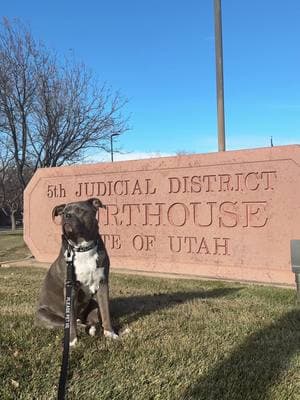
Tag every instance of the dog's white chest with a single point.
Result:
(87, 272)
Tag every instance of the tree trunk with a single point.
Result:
(13, 221)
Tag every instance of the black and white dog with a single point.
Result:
(91, 263)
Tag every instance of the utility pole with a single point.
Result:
(111, 146)
(219, 75)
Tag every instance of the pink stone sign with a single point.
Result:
(228, 215)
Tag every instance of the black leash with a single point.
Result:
(70, 282)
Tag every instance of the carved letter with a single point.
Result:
(208, 216)
(268, 174)
(150, 240)
(116, 242)
(156, 213)
(99, 192)
(188, 240)
(255, 214)
(78, 192)
(228, 209)
(112, 213)
(238, 183)
(148, 181)
(203, 246)
(180, 218)
(196, 184)
(137, 188)
(92, 189)
(256, 186)
(131, 208)
(209, 179)
(62, 191)
(178, 249)
(173, 182)
(138, 242)
(120, 192)
(225, 183)
(224, 246)
(50, 191)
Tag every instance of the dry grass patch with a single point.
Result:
(12, 246)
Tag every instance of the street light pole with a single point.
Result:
(219, 75)
(111, 146)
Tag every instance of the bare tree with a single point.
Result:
(50, 113)
(71, 115)
(11, 192)
(17, 88)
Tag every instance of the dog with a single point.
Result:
(80, 236)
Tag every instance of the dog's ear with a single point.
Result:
(58, 210)
(96, 203)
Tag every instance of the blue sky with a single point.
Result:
(160, 55)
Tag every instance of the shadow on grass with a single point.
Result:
(254, 367)
(135, 307)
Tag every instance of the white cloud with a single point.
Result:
(105, 157)
(140, 155)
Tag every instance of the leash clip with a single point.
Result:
(69, 254)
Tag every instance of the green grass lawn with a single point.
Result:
(188, 340)
(12, 246)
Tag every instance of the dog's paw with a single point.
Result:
(110, 334)
(92, 330)
(73, 342)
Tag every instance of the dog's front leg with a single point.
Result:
(103, 300)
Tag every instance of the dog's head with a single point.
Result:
(79, 219)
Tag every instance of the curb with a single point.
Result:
(31, 262)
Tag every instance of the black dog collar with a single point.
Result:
(80, 248)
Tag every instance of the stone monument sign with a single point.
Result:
(228, 215)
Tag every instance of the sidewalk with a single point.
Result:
(25, 262)
(31, 262)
